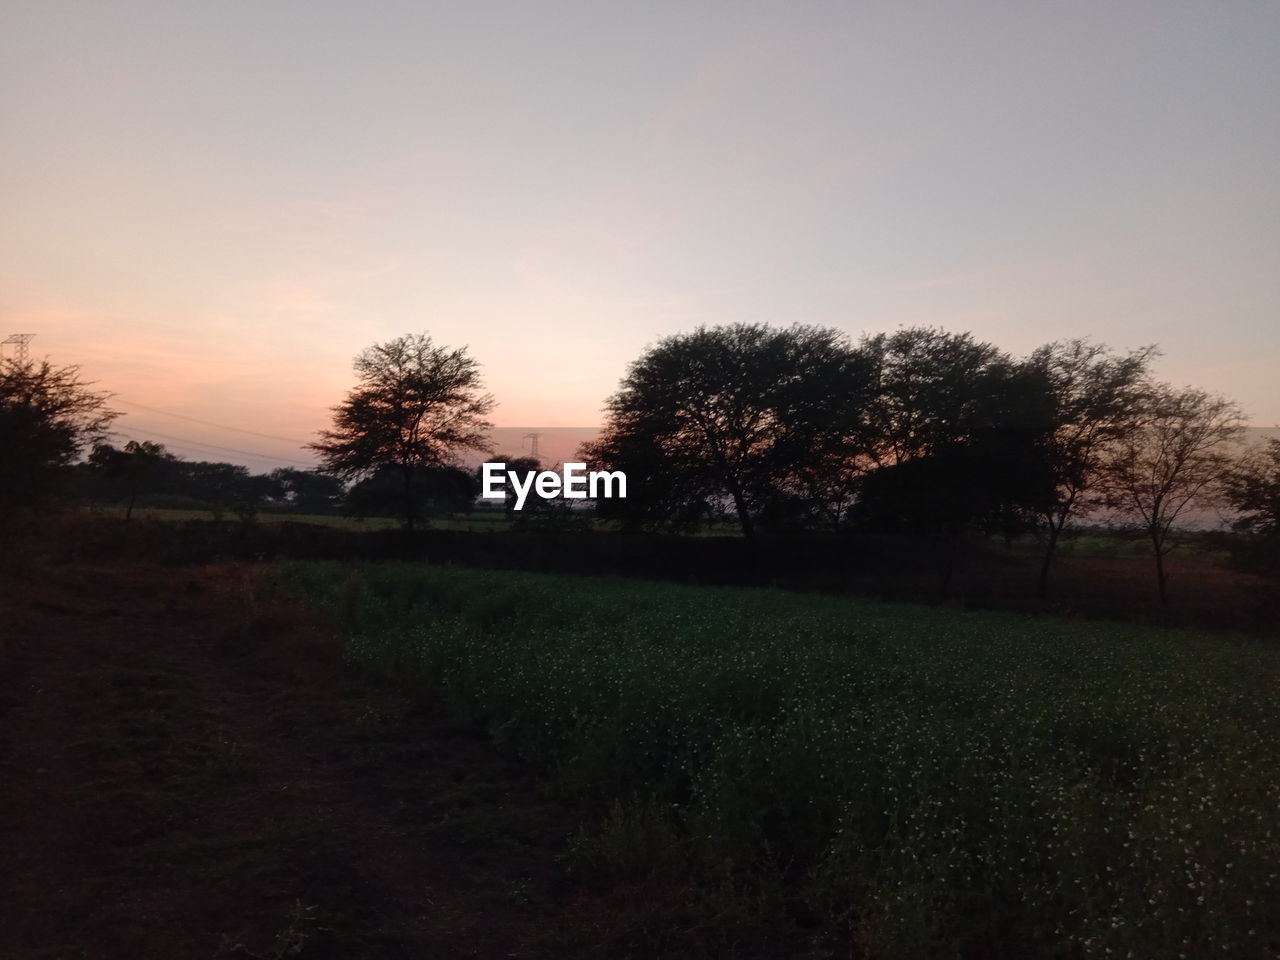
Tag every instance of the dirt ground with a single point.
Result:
(185, 772)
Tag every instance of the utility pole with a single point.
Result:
(19, 341)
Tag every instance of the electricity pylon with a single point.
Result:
(533, 444)
(19, 341)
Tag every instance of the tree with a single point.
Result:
(1099, 399)
(131, 467)
(1178, 457)
(931, 387)
(984, 473)
(307, 491)
(223, 486)
(521, 467)
(974, 418)
(250, 493)
(415, 406)
(729, 415)
(435, 490)
(48, 418)
(1253, 491)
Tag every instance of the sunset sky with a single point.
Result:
(213, 206)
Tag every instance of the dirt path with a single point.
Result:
(184, 774)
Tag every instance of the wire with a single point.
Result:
(208, 423)
(214, 446)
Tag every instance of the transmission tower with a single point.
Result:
(533, 444)
(19, 341)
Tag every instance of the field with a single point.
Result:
(190, 770)
(481, 521)
(914, 782)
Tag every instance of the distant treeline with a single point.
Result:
(147, 475)
(921, 433)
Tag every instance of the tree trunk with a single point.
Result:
(1161, 576)
(1159, 534)
(950, 538)
(1047, 560)
(409, 512)
(744, 518)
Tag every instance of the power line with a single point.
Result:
(20, 341)
(208, 423)
(214, 446)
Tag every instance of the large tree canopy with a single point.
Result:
(731, 415)
(1100, 398)
(970, 451)
(416, 406)
(931, 388)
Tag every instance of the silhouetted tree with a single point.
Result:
(729, 413)
(222, 486)
(1253, 491)
(307, 491)
(930, 388)
(415, 406)
(1178, 457)
(1100, 398)
(48, 418)
(988, 477)
(132, 467)
(434, 490)
(251, 493)
(521, 467)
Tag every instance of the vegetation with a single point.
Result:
(735, 413)
(934, 784)
(130, 467)
(919, 432)
(147, 475)
(896, 781)
(1099, 398)
(416, 405)
(1179, 455)
(433, 490)
(931, 437)
(1253, 490)
(49, 418)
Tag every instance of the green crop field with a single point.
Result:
(928, 781)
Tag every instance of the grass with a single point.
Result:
(482, 521)
(1187, 545)
(931, 783)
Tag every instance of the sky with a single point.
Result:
(212, 207)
